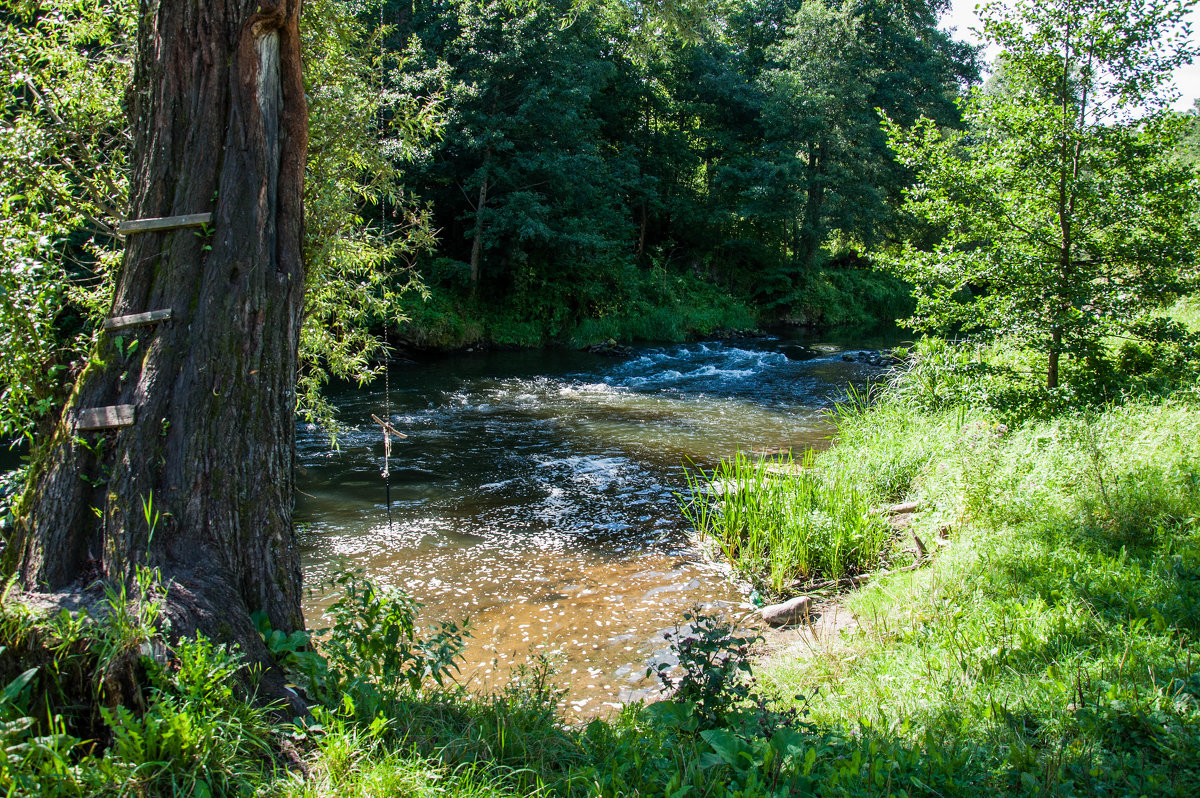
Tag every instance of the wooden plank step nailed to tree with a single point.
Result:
(163, 223)
(136, 319)
(109, 417)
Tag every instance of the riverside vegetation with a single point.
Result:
(1049, 648)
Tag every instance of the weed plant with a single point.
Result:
(104, 711)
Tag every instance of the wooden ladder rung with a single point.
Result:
(163, 223)
(136, 319)
(105, 417)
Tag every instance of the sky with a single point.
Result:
(1187, 80)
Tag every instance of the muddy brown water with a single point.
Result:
(537, 494)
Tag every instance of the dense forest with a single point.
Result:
(595, 179)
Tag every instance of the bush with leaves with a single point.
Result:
(372, 655)
(64, 142)
(713, 675)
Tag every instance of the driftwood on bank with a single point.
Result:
(787, 613)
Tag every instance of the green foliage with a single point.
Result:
(1064, 216)
(64, 66)
(713, 674)
(28, 760)
(1188, 150)
(12, 483)
(781, 523)
(1161, 357)
(837, 64)
(107, 709)
(1056, 636)
(646, 307)
(519, 732)
(587, 179)
(363, 123)
(355, 762)
(835, 297)
(195, 737)
(374, 653)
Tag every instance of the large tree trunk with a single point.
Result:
(1052, 359)
(220, 125)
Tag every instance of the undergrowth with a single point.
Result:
(648, 307)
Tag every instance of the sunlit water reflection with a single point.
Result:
(537, 493)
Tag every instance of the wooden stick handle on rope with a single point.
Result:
(387, 426)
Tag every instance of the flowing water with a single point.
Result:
(538, 494)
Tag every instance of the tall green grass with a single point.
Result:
(1059, 635)
(780, 523)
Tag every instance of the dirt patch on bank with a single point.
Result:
(827, 622)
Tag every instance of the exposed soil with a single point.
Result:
(827, 622)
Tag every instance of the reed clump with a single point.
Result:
(782, 523)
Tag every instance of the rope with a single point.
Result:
(387, 435)
(387, 386)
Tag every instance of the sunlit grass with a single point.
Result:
(1060, 628)
(352, 763)
(779, 522)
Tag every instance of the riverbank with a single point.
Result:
(660, 307)
(1052, 641)
(1047, 646)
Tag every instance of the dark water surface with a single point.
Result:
(537, 493)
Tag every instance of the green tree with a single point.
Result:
(1189, 146)
(1064, 215)
(839, 62)
(529, 194)
(362, 229)
(64, 142)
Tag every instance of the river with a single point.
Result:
(537, 494)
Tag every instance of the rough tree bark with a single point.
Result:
(220, 125)
(810, 231)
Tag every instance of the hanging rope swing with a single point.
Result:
(388, 432)
(385, 423)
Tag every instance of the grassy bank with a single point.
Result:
(1054, 640)
(1049, 645)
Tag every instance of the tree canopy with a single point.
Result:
(1064, 216)
(584, 170)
